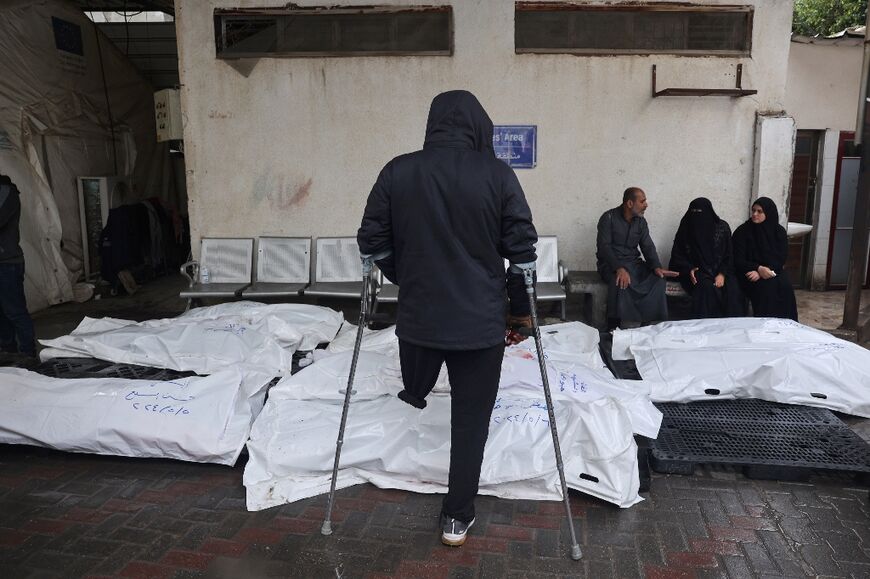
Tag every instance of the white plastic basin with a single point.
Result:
(797, 229)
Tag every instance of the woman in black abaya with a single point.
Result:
(760, 250)
(702, 254)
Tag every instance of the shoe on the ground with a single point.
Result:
(454, 531)
(128, 281)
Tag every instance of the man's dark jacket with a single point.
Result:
(10, 212)
(450, 213)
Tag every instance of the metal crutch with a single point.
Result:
(528, 270)
(367, 261)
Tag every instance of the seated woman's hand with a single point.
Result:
(765, 272)
(692, 276)
(719, 281)
(752, 276)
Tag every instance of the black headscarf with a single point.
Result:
(457, 119)
(697, 232)
(766, 235)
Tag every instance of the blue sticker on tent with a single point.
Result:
(516, 145)
(67, 36)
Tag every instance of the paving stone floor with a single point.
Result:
(70, 515)
(77, 515)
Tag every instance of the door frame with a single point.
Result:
(841, 149)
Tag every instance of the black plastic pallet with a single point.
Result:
(93, 368)
(71, 367)
(750, 410)
(622, 369)
(767, 439)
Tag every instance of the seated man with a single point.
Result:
(635, 286)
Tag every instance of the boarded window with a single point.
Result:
(334, 32)
(636, 29)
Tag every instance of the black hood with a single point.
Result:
(458, 120)
(771, 214)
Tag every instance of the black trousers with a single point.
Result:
(474, 377)
(16, 327)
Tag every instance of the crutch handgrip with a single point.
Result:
(368, 259)
(528, 271)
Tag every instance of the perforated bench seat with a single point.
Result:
(283, 267)
(213, 290)
(263, 289)
(337, 289)
(229, 262)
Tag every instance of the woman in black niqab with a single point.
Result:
(702, 254)
(760, 251)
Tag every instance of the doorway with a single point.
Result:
(801, 203)
(843, 214)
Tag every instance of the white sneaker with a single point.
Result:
(453, 531)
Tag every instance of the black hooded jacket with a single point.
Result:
(451, 213)
(10, 212)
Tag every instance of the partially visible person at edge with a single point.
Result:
(760, 251)
(703, 257)
(16, 327)
(635, 286)
(451, 213)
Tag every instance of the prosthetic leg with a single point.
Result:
(528, 275)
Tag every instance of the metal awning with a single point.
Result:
(167, 6)
(150, 46)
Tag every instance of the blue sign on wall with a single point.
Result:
(516, 145)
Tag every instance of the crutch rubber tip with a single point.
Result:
(326, 528)
(575, 552)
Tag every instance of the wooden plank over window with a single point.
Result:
(334, 31)
(679, 28)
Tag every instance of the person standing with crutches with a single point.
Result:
(451, 213)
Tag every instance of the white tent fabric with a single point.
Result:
(198, 419)
(205, 340)
(391, 444)
(54, 126)
(767, 358)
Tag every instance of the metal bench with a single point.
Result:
(229, 264)
(337, 269)
(551, 273)
(283, 267)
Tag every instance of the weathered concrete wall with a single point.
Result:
(774, 160)
(292, 146)
(823, 84)
(821, 235)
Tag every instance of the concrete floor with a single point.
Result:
(824, 310)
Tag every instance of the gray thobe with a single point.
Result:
(620, 244)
